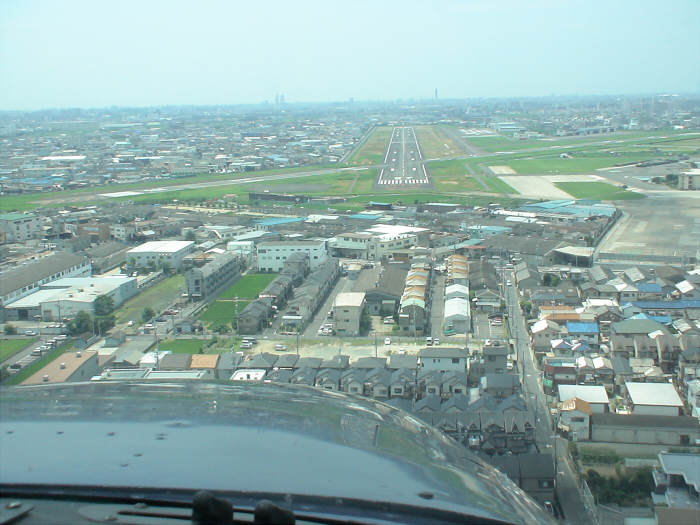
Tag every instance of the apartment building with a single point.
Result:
(202, 282)
(18, 227)
(347, 312)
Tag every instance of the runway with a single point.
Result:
(403, 160)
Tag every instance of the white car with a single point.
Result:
(387, 341)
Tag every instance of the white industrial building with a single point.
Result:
(377, 242)
(171, 252)
(654, 399)
(271, 255)
(457, 315)
(64, 298)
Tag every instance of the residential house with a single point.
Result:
(676, 488)
(575, 419)
(443, 359)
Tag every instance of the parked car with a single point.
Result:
(387, 341)
(436, 341)
(280, 348)
(30, 333)
(246, 344)
(389, 320)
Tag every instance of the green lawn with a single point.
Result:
(11, 346)
(597, 190)
(182, 346)
(222, 312)
(159, 297)
(248, 286)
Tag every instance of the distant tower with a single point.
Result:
(281, 99)
(435, 93)
(277, 100)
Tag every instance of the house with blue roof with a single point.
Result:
(589, 332)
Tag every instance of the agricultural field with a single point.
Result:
(374, 148)
(248, 286)
(597, 191)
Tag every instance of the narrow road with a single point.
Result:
(567, 483)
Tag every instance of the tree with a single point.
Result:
(10, 329)
(190, 236)
(104, 305)
(550, 279)
(81, 324)
(165, 266)
(365, 321)
(147, 314)
(151, 266)
(105, 323)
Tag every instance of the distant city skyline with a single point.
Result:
(144, 53)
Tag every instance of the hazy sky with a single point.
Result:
(97, 53)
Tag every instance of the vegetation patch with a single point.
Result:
(182, 346)
(158, 297)
(498, 186)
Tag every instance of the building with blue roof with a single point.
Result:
(589, 332)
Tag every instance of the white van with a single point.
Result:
(429, 341)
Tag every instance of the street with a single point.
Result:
(567, 483)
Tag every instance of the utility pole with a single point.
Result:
(297, 340)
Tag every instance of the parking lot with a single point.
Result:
(484, 329)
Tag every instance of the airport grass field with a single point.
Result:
(597, 191)
(450, 177)
(374, 148)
